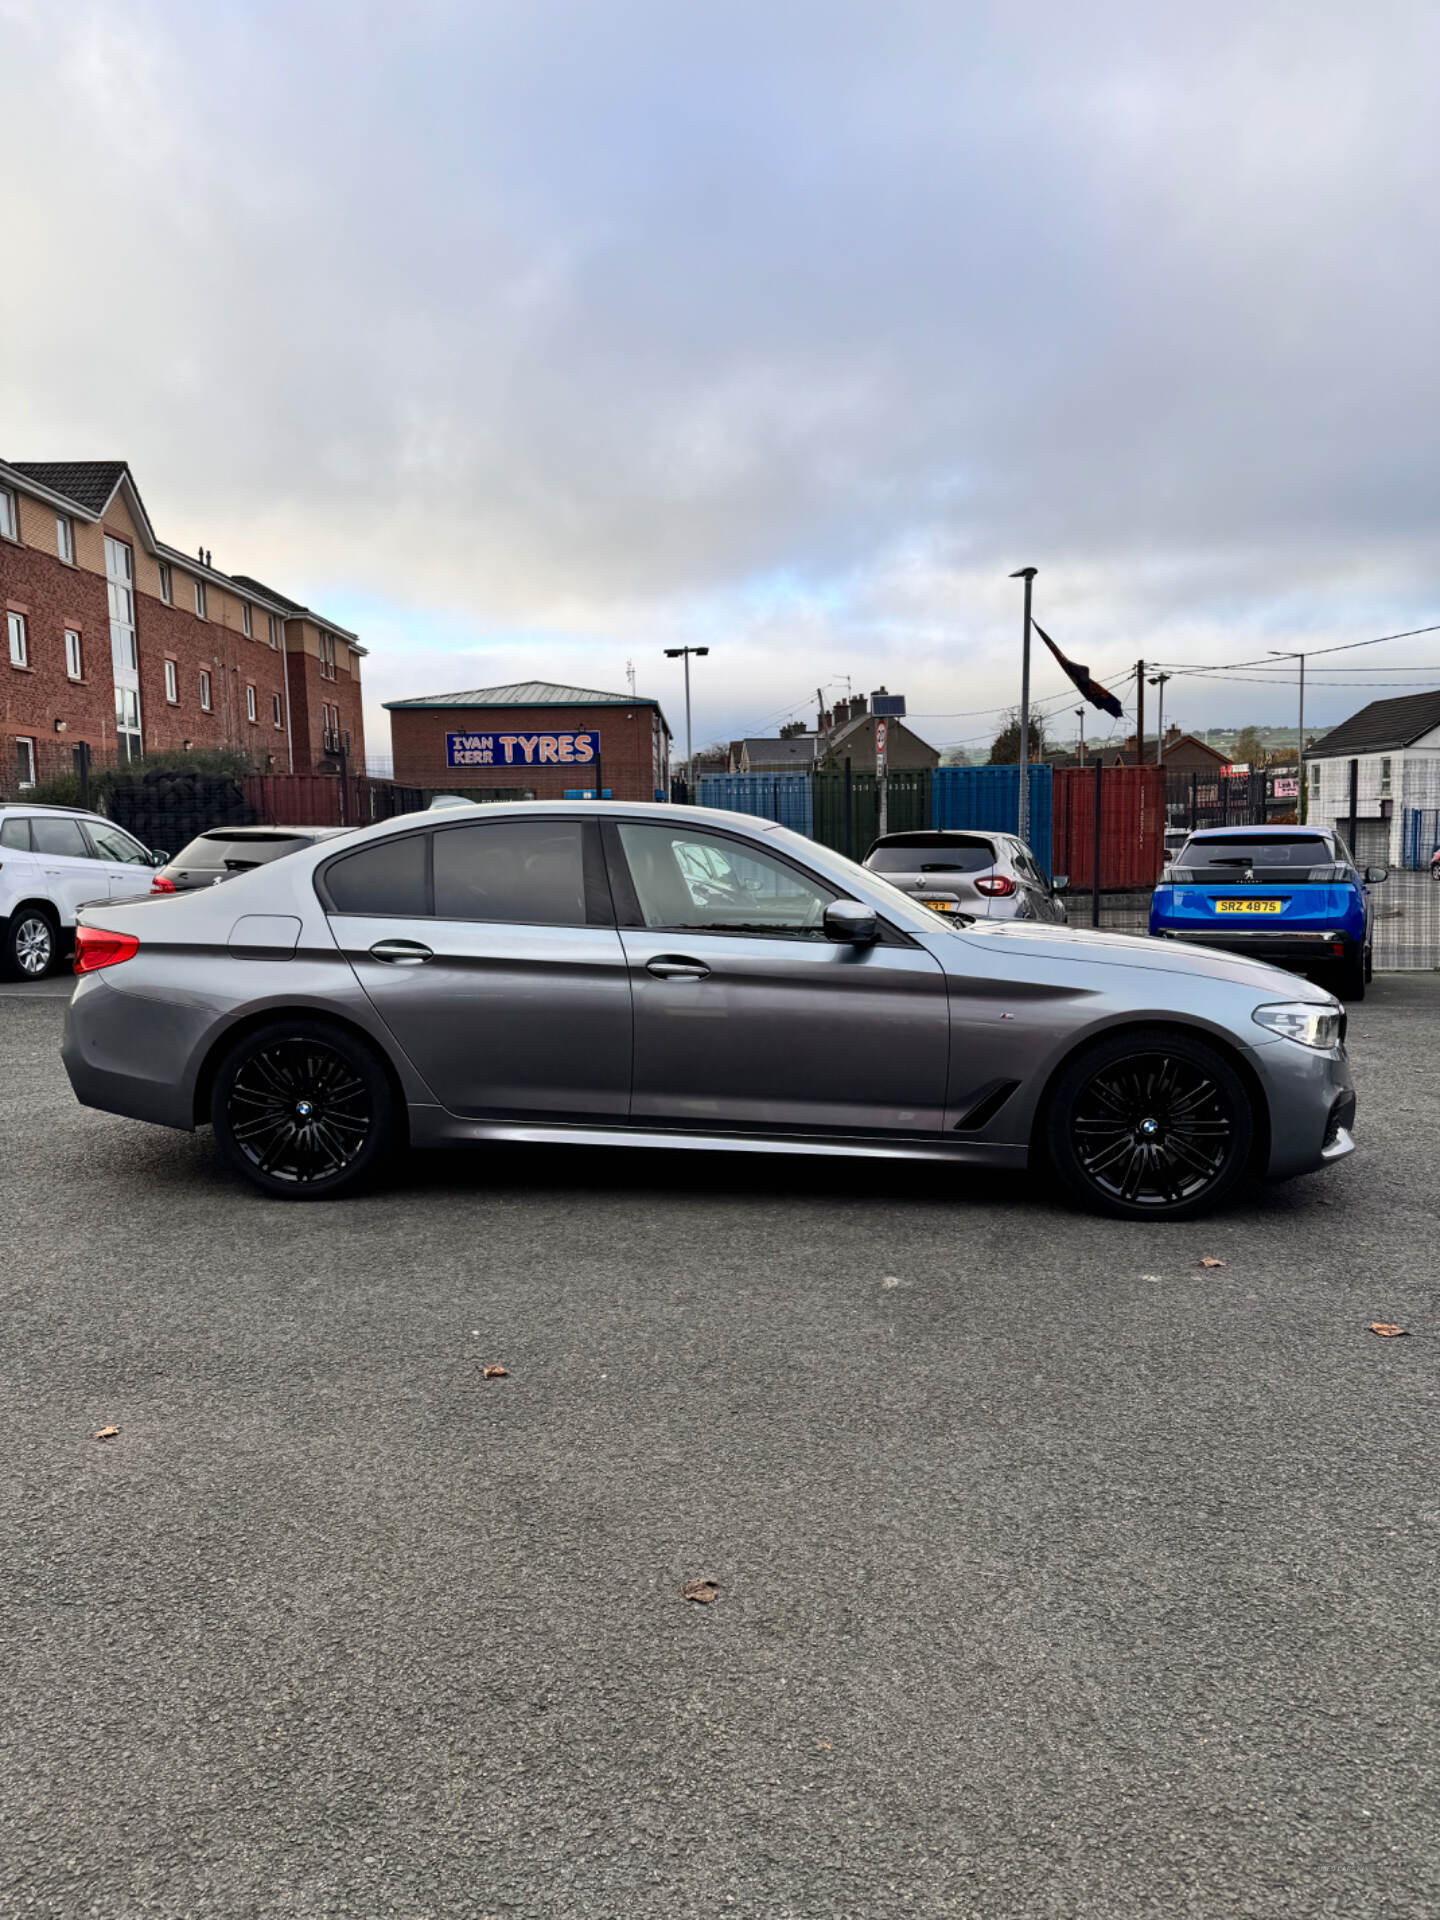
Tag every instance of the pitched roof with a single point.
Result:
(259, 586)
(798, 750)
(525, 693)
(1383, 725)
(89, 483)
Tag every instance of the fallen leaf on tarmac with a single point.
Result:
(890, 1280)
(826, 1745)
(702, 1592)
(109, 1433)
(1209, 1260)
(494, 1373)
(1153, 1278)
(1387, 1331)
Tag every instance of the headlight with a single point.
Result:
(1297, 1020)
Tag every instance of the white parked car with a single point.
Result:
(53, 861)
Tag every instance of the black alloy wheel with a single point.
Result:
(1150, 1126)
(31, 944)
(302, 1110)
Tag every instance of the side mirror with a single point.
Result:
(159, 858)
(1061, 883)
(849, 923)
(1374, 875)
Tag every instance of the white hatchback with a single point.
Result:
(53, 861)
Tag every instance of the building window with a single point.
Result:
(274, 629)
(172, 684)
(250, 704)
(24, 763)
(276, 710)
(74, 660)
(1384, 776)
(165, 590)
(65, 539)
(127, 723)
(204, 690)
(247, 626)
(327, 656)
(19, 640)
(9, 526)
(200, 598)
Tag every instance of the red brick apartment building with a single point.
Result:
(115, 639)
(534, 740)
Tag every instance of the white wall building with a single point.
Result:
(1395, 745)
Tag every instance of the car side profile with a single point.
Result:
(1291, 895)
(994, 876)
(53, 862)
(667, 976)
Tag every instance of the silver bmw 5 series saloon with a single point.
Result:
(672, 976)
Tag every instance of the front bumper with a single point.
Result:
(1311, 1102)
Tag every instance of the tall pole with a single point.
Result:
(1300, 798)
(1158, 680)
(1022, 825)
(1139, 713)
(684, 653)
(1080, 716)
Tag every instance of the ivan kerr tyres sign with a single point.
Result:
(521, 749)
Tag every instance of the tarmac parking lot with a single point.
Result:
(1058, 1574)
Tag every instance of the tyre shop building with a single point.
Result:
(532, 741)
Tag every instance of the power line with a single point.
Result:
(1311, 653)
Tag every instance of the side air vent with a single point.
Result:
(987, 1102)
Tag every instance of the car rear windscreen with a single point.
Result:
(1299, 850)
(933, 856)
(213, 852)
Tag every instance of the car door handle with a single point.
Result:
(401, 953)
(677, 969)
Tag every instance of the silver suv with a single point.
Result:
(991, 875)
(53, 862)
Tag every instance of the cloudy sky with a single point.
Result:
(527, 338)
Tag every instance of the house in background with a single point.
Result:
(1394, 746)
(1183, 751)
(844, 732)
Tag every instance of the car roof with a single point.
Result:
(1257, 833)
(929, 836)
(46, 806)
(260, 831)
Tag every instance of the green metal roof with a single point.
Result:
(527, 693)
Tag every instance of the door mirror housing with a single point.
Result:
(159, 858)
(1375, 875)
(851, 923)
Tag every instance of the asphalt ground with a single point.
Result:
(1059, 1575)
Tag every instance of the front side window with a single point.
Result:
(64, 539)
(384, 881)
(24, 763)
(19, 640)
(705, 883)
(9, 525)
(204, 690)
(525, 872)
(74, 659)
(250, 704)
(60, 837)
(114, 843)
(172, 684)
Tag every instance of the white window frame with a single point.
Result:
(65, 539)
(201, 601)
(251, 711)
(1385, 776)
(74, 655)
(327, 655)
(274, 629)
(247, 624)
(277, 710)
(29, 746)
(205, 690)
(18, 634)
(9, 520)
(167, 593)
(172, 683)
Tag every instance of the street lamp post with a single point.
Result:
(1157, 680)
(1080, 716)
(677, 653)
(1022, 827)
(1300, 797)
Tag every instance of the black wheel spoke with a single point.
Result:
(1154, 1131)
(298, 1111)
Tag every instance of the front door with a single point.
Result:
(747, 1017)
(128, 870)
(485, 950)
(70, 873)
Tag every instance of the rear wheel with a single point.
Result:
(1350, 976)
(303, 1110)
(1150, 1126)
(31, 947)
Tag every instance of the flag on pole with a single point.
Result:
(1097, 695)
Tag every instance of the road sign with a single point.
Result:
(881, 735)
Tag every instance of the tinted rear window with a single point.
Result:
(1284, 850)
(387, 879)
(15, 833)
(935, 856)
(62, 837)
(529, 873)
(212, 850)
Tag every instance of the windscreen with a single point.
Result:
(215, 851)
(1298, 856)
(932, 856)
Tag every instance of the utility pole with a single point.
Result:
(678, 653)
(1139, 713)
(630, 676)
(1080, 716)
(1158, 680)
(1301, 796)
(1022, 825)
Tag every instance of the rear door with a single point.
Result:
(490, 951)
(747, 1017)
(70, 871)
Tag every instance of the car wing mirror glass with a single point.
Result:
(1376, 875)
(159, 858)
(1061, 883)
(851, 923)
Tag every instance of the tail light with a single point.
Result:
(97, 947)
(999, 886)
(161, 885)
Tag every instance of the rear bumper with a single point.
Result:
(1263, 944)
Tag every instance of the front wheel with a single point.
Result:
(31, 944)
(303, 1110)
(1150, 1126)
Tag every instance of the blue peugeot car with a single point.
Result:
(1291, 895)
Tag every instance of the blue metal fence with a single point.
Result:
(989, 797)
(783, 797)
(1419, 836)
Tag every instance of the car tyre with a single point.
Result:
(1350, 976)
(303, 1110)
(31, 944)
(1150, 1125)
